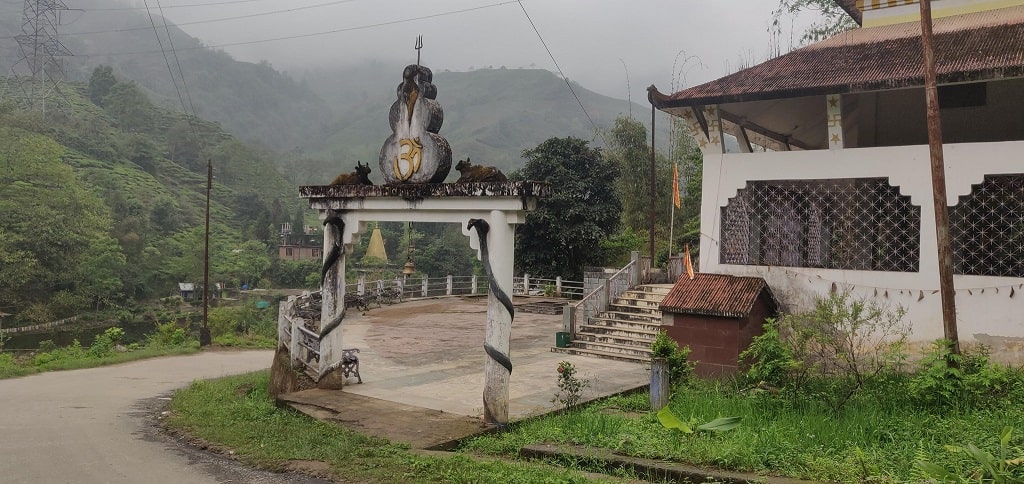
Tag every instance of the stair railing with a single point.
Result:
(601, 297)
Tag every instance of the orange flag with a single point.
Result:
(688, 263)
(675, 186)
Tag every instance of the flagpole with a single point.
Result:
(672, 221)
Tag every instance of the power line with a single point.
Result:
(219, 19)
(315, 34)
(166, 61)
(183, 5)
(181, 73)
(566, 79)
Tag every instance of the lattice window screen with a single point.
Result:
(862, 224)
(987, 228)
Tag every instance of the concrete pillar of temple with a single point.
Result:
(498, 333)
(332, 307)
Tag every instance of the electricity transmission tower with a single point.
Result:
(38, 73)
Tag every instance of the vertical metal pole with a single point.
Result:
(204, 333)
(651, 212)
(938, 181)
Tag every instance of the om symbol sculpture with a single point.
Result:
(415, 153)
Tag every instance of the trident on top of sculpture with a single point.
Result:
(415, 153)
(418, 46)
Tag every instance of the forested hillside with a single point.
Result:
(254, 102)
(101, 203)
(335, 115)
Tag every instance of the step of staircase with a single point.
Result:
(628, 314)
(626, 330)
(607, 321)
(631, 340)
(631, 301)
(637, 332)
(602, 354)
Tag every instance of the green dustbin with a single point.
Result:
(562, 339)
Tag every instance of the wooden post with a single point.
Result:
(474, 291)
(448, 286)
(660, 384)
(948, 295)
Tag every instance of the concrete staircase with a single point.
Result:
(626, 330)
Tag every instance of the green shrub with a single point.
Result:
(570, 388)
(968, 380)
(104, 343)
(166, 335)
(7, 363)
(46, 345)
(74, 351)
(843, 346)
(680, 368)
(245, 319)
(769, 359)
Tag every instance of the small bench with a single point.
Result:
(350, 363)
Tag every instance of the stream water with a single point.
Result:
(133, 332)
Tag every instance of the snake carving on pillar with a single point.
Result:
(415, 153)
(491, 415)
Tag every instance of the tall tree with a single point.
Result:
(130, 107)
(100, 82)
(563, 235)
(630, 151)
(831, 19)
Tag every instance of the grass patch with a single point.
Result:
(10, 368)
(237, 413)
(168, 339)
(871, 438)
(247, 341)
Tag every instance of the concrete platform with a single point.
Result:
(423, 363)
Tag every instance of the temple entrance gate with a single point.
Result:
(486, 212)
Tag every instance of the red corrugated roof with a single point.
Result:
(969, 47)
(715, 295)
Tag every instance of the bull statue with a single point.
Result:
(477, 173)
(361, 176)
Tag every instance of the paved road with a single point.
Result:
(94, 426)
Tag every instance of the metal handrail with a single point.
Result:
(597, 301)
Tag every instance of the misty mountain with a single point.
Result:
(254, 102)
(335, 115)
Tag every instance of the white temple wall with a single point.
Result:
(986, 314)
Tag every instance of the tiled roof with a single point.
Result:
(715, 295)
(970, 47)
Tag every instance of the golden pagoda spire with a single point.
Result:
(376, 247)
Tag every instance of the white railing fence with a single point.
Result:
(424, 286)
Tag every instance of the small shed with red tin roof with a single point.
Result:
(717, 316)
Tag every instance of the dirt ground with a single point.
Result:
(422, 368)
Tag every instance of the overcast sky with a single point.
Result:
(594, 42)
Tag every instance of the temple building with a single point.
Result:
(830, 186)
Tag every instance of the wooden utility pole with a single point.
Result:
(946, 289)
(653, 191)
(204, 333)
